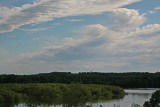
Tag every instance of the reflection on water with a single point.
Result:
(127, 101)
(141, 90)
(137, 96)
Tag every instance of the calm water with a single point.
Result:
(137, 96)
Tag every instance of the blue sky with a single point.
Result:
(79, 36)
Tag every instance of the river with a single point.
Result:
(134, 96)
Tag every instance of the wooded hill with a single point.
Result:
(125, 80)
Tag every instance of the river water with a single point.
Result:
(134, 96)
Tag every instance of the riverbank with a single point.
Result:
(53, 93)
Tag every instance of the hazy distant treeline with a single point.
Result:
(125, 80)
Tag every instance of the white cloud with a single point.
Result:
(107, 50)
(46, 10)
(23, 56)
(34, 30)
(157, 8)
(76, 20)
(151, 12)
(95, 30)
(71, 49)
(126, 19)
(152, 28)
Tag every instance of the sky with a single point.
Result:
(79, 36)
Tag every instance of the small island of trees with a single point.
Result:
(54, 93)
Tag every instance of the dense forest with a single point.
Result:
(125, 80)
(69, 95)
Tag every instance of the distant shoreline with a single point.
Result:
(124, 80)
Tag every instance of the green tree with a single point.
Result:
(154, 100)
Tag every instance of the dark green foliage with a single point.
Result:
(9, 98)
(154, 100)
(50, 93)
(125, 80)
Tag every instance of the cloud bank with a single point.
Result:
(47, 10)
(102, 49)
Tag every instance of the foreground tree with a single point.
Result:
(154, 100)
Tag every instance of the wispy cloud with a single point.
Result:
(34, 30)
(105, 50)
(157, 8)
(56, 24)
(47, 10)
(35, 38)
(24, 56)
(151, 12)
(76, 20)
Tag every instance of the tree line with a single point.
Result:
(125, 80)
